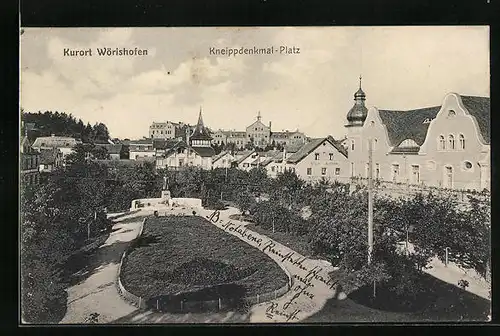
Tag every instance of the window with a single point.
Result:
(331, 156)
(442, 144)
(375, 141)
(352, 144)
(451, 113)
(415, 174)
(161, 132)
(395, 172)
(272, 168)
(316, 156)
(467, 165)
(323, 171)
(377, 171)
(337, 171)
(462, 141)
(309, 171)
(451, 141)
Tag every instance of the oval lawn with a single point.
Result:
(183, 254)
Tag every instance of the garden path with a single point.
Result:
(311, 285)
(98, 293)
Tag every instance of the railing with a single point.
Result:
(176, 303)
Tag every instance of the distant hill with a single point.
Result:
(62, 124)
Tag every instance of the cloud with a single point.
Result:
(402, 67)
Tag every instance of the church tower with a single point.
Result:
(355, 120)
(200, 136)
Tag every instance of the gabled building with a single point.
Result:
(259, 133)
(141, 149)
(28, 162)
(444, 146)
(246, 159)
(115, 151)
(224, 160)
(64, 144)
(177, 153)
(322, 158)
(50, 160)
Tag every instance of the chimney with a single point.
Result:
(269, 125)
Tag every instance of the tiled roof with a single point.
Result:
(280, 135)
(479, 108)
(147, 141)
(166, 143)
(112, 149)
(220, 156)
(266, 161)
(200, 132)
(55, 141)
(204, 151)
(311, 146)
(48, 156)
(245, 155)
(293, 148)
(405, 150)
(402, 125)
(235, 134)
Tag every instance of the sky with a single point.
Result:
(401, 67)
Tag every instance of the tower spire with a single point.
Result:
(200, 119)
(258, 116)
(360, 81)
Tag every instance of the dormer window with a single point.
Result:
(408, 143)
(427, 121)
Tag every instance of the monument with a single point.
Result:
(165, 193)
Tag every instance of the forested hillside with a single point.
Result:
(62, 124)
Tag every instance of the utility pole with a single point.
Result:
(370, 203)
(370, 209)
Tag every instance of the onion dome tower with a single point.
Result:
(357, 114)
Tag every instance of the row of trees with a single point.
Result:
(337, 227)
(62, 124)
(59, 215)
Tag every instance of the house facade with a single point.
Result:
(444, 146)
(28, 162)
(162, 130)
(63, 144)
(322, 158)
(140, 149)
(223, 160)
(50, 160)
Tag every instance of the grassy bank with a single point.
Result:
(179, 254)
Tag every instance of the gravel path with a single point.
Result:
(97, 293)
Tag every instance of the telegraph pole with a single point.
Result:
(370, 203)
(370, 209)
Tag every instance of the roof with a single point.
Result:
(293, 148)
(402, 125)
(266, 161)
(200, 132)
(235, 134)
(147, 141)
(479, 108)
(112, 149)
(280, 134)
(48, 156)
(55, 142)
(220, 156)
(204, 151)
(245, 155)
(312, 145)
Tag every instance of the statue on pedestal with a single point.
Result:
(165, 183)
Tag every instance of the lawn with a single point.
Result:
(188, 254)
(438, 302)
(298, 243)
